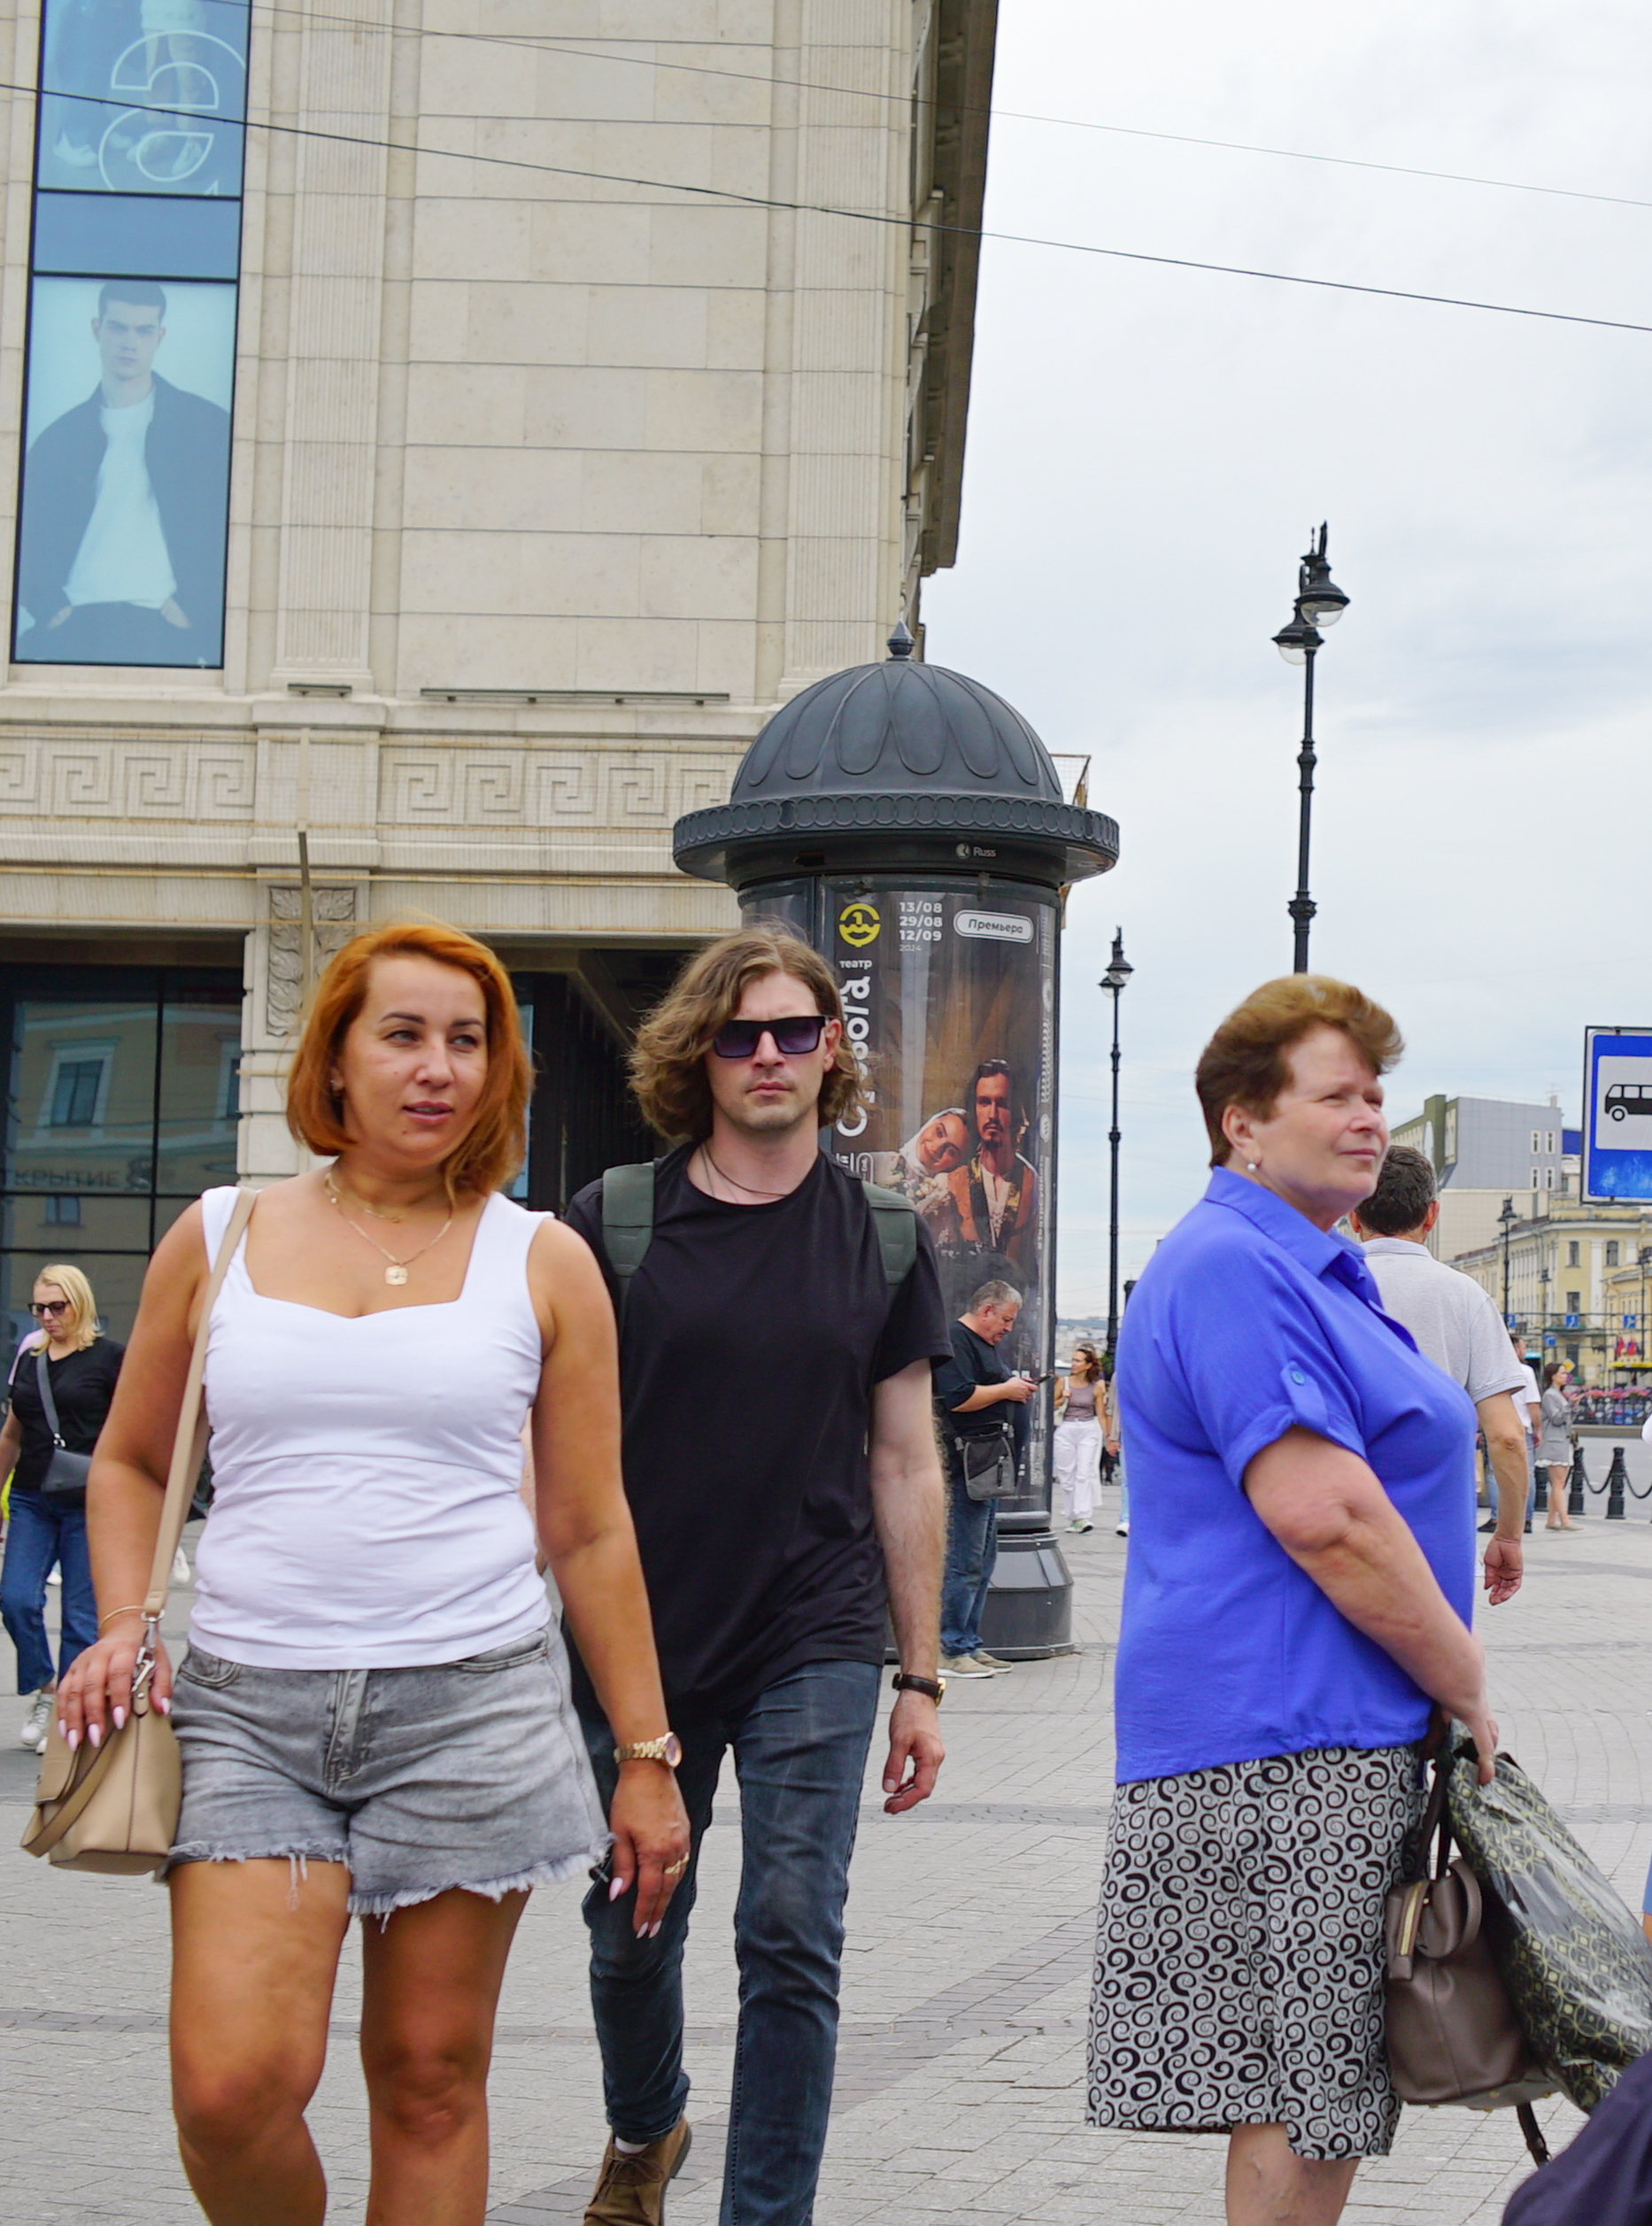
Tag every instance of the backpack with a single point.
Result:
(628, 1226)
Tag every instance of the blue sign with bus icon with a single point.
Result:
(1617, 1114)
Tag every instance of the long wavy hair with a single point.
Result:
(491, 1149)
(668, 1057)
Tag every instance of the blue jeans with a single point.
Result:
(971, 1558)
(36, 1536)
(799, 1754)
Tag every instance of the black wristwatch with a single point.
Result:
(904, 1681)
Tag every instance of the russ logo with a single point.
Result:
(859, 924)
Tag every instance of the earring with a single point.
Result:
(1252, 1165)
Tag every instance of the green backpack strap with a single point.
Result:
(897, 1225)
(627, 1225)
(628, 1221)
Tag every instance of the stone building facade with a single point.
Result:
(600, 373)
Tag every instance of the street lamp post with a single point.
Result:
(1506, 1221)
(1119, 971)
(1320, 602)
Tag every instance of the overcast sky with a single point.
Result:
(1149, 448)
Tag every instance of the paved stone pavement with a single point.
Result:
(960, 2095)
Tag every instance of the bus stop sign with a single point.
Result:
(1616, 1114)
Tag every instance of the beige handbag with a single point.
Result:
(1453, 2033)
(115, 1807)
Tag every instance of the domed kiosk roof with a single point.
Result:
(896, 763)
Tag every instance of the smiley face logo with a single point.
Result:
(859, 924)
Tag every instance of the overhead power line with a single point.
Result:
(726, 196)
(549, 44)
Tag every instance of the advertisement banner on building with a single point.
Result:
(1616, 1114)
(126, 477)
(950, 1001)
(144, 96)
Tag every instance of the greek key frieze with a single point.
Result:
(179, 781)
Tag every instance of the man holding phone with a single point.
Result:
(976, 1396)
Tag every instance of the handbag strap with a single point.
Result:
(188, 1447)
(1435, 1820)
(42, 1379)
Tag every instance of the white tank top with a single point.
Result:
(366, 1473)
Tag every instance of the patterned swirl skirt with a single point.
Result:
(1238, 1972)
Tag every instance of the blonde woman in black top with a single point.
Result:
(81, 1369)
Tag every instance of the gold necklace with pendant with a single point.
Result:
(395, 1274)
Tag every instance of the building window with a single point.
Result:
(1548, 1179)
(116, 1086)
(1611, 1252)
(1574, 1257)
(75, 1088)
(1537, 1140)
(1549, 1144)
(1574, 1302)
(1534, 1181)
(74, 1096)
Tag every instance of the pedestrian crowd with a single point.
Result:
(720, 1405)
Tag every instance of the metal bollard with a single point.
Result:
(1616, 1478)
(1539, 1504)
(1579, 1480)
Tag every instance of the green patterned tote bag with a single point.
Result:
(1572, 1955)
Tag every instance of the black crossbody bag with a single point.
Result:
(986, 1460)
(63, 1484)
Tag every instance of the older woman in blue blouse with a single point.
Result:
(1296, 1606)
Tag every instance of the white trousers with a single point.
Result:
(1078, 1468)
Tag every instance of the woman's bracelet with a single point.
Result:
(136, 1608)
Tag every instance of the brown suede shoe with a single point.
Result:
(631, 2189)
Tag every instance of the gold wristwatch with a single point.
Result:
(669, 1751)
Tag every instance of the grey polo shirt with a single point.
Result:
(1452, 1319)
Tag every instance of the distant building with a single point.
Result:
(1577, 1282)
(1491, 1143)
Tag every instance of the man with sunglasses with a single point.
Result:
(781, 1466)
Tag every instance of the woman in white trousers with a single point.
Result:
(1078, 1438)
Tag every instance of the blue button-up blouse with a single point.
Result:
(1246, 1322)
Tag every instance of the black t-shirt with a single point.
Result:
(753, 1336)
(973, 1363)
(83, 1385)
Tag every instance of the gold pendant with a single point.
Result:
(395, 1274)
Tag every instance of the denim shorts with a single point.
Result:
(470, 1774)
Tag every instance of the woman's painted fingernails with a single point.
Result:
(653, 1929)
(63, 1729)
(72, 1740)
(616, 1886)
(164, 1707)
(94, 1735)
(120, 1719)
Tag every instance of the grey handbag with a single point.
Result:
(1453, 2036)
(987, 1461)
(63, 1484)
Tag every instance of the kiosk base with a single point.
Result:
(1030, 1608)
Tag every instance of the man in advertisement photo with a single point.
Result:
(989, 1206)
(121, 555)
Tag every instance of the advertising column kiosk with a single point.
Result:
(910, 825)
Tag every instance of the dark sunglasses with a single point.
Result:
(799, 1032)
(52, 1306)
